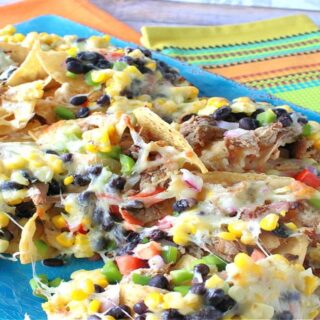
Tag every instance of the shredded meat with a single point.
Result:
(200, 131)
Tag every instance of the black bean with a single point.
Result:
(279, 112)
(29, 176)
(199, 288)
(258, 111)
(240, 115)
(117, 183)
(75, 66)
(284, 315)
(119, 312)
(98, 289)
(88, 67)
(140, 317)
(25, 209)
(248, 123)
(157, 235)
(147, 53)
(81, 40)
(187, 117)
(127, 59)
(184, 204)
(66, 157)
(93, 317)
(128, 50)
(83, 112)
(99, 243)
(126, 249)
(202, 268)
(86, 196)
(6, 234)
(69, 59)
(104, 101)
(133, 205)
(103, 64)
(97, 215)
(52, 152)
(107, 223)
(302, 120)
(88, 56)
(79, 99)
(285, 120)
(222, 113)
(282, 231)
(226, 304)
(206, 313)
(133, 237)
(172, 314)
(95, 170)
(214, 296)
(140, 308)
(11, 185)
(127, 93)
(54, 188)
(159, 281)
(81, 180)
(53, 262)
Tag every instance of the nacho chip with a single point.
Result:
(16, 52)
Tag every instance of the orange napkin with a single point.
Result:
(81, 11)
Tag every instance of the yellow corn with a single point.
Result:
(247, 239)
(65, 240)
(106, 37)
(313, 314)
(173, 300)
(269, 222)
(91, 148)
(292, 226)
(4, 245)
(7, 30)
(14, 197)
(82, 241)
(285, 107)
(18, 37)
(311, 283)
(227, 236)
(78, 295)
(108, 318)
(151, 316)
(72, 51)
(15, 163)
(217, 102)
(134, 71)
(68, 180)
(94, 306)
(237, 227)
(102, 282)
(87, 286)
(151, 65)
(214, 282)
(59, 222)
(180, 237)
(99, 76)
(68, 207)
(4, 220)
(57, 166)
(153, 300)
(245, 263)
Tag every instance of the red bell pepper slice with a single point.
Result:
(126, 264)
(148, 198)
(127, 216)
(308, 178)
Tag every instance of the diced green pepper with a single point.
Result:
(266, 117)
(315, 202)
(144, 240)
(170, 254)
(111, 245)
(34, 284)
(119, 65)
(64, 113)
(306, 130)
(88, 80)
(140, 279)
(111, 272)
(182, 289)
(71, 75)
(55, 282)
(41, 246)
(211, 260)
(114, 153)
(175, 213)
(127, 164)
(180, 277)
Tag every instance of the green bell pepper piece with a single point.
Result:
(55, 282)
(315, 202)
(88, 80)
(35, 285)
(64, 113)
(266, 117)
(41, 246)
(140, 279)
(114, 153)
(182, 289)
(127, 164)
(180, 277)
(119, 66)
(306, 130)
(170, 254)
(211, 260)
(71, 75)
(111, 272)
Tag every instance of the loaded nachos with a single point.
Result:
(198, 207)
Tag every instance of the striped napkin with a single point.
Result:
(280, 56)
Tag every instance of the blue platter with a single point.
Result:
(16, 298)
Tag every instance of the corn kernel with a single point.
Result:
(72, 51)
(4, 245)
(94, 306)
(18, 37)
(68, 207)
(68, 180)
(134, 71)
(311, 283)
(15, 163)
(106, 37)
(99, 76)
(8, 30)
(108, 318)
(283, 213)
(82, 241)
(57, 166)
(313, 314)
(91, 148)
(4, 220)
(151, 316)
(227, 236)
(87, 286)
(151, 65)
(102, 282)
(247, 239)
(153, 300)
(237, 227)
(245, 263)
(173, 300)
(269, 222)
(217, 102)
(78, 295)
(214, 282)
(292, 226)
(59, 222)
(65, 240)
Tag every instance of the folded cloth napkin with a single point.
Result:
(280, 56)
(81, 11)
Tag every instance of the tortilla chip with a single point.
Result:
(16, 52)
(160, 130)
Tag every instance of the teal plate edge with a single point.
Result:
(16, 299)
